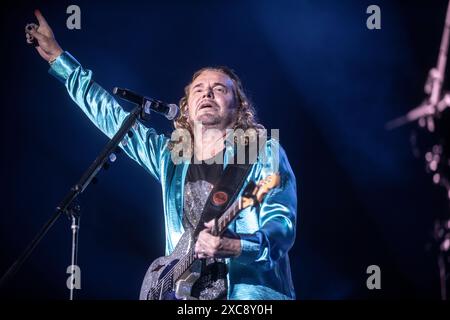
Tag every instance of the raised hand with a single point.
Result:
(43, 38)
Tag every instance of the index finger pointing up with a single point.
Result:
(40, 17)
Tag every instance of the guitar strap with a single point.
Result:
(223, 194)
(225, 191)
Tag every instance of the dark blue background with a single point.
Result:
(313, 70)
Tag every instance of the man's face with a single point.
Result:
(211, 100)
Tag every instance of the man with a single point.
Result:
(255, 250)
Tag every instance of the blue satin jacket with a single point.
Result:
(262, 270)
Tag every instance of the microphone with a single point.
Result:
(170, 111)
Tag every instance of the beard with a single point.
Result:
(215, 119)
(209, 119)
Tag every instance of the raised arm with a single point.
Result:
(144, 146)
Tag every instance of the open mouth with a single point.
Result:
(207, 105)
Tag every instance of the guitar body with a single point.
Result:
(154, 288)
(180, 276)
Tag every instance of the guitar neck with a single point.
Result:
(228, 216)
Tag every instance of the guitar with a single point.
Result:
(172, 277)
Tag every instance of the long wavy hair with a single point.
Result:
(245, 113)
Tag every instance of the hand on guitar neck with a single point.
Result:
(210, 246)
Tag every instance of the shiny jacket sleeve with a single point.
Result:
(276, 217)
(145, 146)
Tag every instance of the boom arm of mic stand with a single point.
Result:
(425, 109)
(67, 201)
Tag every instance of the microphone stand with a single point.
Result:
(436, 102)
(68, 204)
(426, 113)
